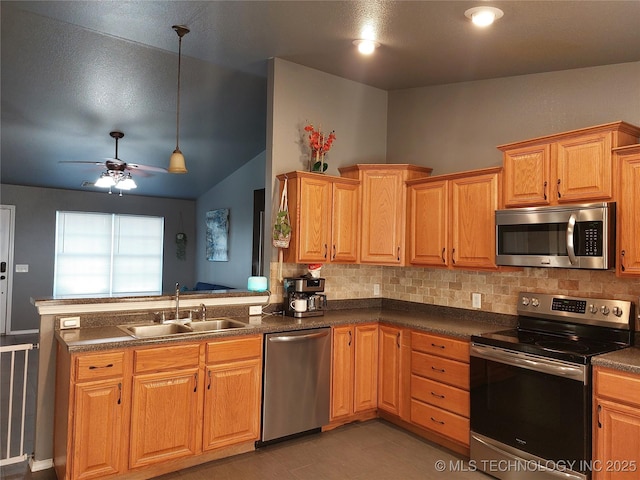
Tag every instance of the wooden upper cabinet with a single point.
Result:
(383, 209)
(474, 200)
(569, 167)
(628, 211)
(324, 218)
(527, 175)
(428, 230)
(452, 219)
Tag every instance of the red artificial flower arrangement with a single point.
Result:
(319, 144)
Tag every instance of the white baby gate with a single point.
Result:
(13, 395)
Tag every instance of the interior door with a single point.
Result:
(7, 224)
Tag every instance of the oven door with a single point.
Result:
(532, 404)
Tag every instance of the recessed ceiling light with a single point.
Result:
(366, 47)
(483, 16)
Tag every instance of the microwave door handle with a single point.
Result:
(571, 251)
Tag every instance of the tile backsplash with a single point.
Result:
(499, 290)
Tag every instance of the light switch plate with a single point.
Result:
(22, 268)
(255, 310)
(376, 289)
(69, 322)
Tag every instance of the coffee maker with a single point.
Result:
(303, 297)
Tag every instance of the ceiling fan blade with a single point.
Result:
(82, 163)
(149, 168)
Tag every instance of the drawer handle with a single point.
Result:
(93, 367)
(437, 421)
(349, 337)
(441, 370)
(119, 393)
(437, 346)
(437, 395)
(398, 340)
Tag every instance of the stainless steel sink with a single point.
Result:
(151, 330)
(155, 330)
(217, 324)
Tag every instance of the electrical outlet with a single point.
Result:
(69, 322)
(376, 289)
(476, 300)
(255, 310)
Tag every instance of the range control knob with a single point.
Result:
(535, 302)
(593, 308)
(525, 301)
(604, 309)
(617, 311)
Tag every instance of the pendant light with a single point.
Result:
(176, 162)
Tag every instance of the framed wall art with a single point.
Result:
(217, 241)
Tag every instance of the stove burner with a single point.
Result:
(562, 346)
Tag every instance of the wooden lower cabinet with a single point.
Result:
(90, 409)
(616, 425)
(440, 386)
(164, 416)
(145, 411)
(354, 375)
(393, 350)
(233, 392)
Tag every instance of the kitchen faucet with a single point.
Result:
(177, 301)
(203, 312)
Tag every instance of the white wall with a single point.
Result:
(457, 127)
(299, 95)
(235, 193)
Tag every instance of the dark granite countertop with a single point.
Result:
(627, 360)
(446, 321)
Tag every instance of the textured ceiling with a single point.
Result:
(73, 71)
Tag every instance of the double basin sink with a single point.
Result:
(168, 329)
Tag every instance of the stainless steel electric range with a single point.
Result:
(531, 386)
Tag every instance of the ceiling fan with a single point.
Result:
(114, 175)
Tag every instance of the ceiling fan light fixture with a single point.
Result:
(126, 183)
(366, 47)
(483, 16)
(177, 162)
(105, 181)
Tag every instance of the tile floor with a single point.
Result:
(372, 450)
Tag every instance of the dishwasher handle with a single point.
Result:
(298, 338)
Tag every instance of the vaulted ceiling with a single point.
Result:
(72, 71)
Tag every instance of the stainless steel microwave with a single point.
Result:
(571, 236)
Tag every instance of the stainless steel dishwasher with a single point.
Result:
(296, 382)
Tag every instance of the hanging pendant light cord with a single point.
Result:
(181, 31)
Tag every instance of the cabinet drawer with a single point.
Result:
(440, 421)
(442, 346)
(239, 348)
(620, 386)
(440, 369)
(440, 395)
(170, 357)
(100, 365)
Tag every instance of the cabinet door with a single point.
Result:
(97, 429)
(584, 168)
(428, 223)
(365, 384)
(344, 219)
(389, 369)
(342, 372)
(527, 176)
(313, 220)
(474, 200)
(617, 441)
(383, 214)
(163, 417)
(629, 217)
(232, 403)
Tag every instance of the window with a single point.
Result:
(107, 254)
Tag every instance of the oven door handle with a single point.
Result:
(571, 249)
(557, 368)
